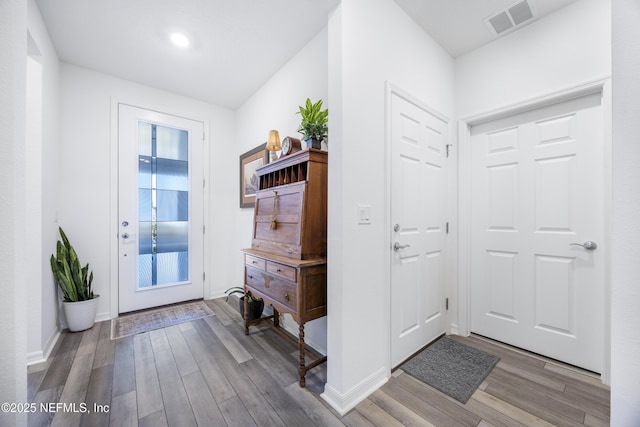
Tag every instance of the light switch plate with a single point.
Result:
(364, 214)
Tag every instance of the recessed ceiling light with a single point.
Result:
(179, 40)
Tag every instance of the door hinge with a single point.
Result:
(447, 147)
(203, 183)
(446, 304)
(203, 276)
(447, 228)
(203, 229)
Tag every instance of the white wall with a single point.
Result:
(274, 106)
(370, 42)
(13, 284)
(33, 178)
(88, 209)
(625, 316)
(42, 176)
(560, 51)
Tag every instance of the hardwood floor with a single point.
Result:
(208, 373)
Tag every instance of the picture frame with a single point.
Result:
(249, 182)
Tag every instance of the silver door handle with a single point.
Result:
(125, 235)
(588, 245)
(397, 246)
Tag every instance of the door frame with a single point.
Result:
(450, 270)
(113, 194)
(602, 86)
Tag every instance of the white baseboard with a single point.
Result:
(453, 329)
(215, 295)
(101, 317)
(291, 326)
(35, 357)
(42, 355)
(344, 402)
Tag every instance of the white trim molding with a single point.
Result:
(42, 355)
(343, 403)
(577, 91)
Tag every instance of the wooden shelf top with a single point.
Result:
(309, 154)
(285, 260)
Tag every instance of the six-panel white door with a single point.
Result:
(537, 189)
(160, 209)
(418, 227)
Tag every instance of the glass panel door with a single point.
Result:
(161, 210)
(163, 207)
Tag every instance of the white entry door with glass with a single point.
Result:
(160, 209)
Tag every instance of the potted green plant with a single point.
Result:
(313, 125)
(80, 304)
(255, 305)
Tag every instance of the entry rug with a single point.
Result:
(148, 320)
(451, 367)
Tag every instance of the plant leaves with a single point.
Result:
(68, 273)
(314, 120)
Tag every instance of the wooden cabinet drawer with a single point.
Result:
(285, 271)
(254, 278)
(254, 262)
(273, 287)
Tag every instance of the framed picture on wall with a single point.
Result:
(249, 182)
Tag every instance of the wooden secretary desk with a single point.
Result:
(286, 265)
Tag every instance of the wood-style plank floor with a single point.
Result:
(208, 373)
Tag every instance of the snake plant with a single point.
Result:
(74, 280)
(240, 290)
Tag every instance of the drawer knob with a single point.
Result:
(254, 262)
(286, 296)
(250, 276)
(279, 271)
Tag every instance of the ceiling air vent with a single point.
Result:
(501, 23)
(514, 16)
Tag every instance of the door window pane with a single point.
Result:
(144, 139)
(144, 172)
(172, 236)
(173, 205)
(163, 206)
(172, 143)
(144, 205)
(173, 267)
(172, 175)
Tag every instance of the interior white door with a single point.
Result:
(537, 190)
(418, 227)
(160, 195)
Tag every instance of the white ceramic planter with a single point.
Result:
(81, 315)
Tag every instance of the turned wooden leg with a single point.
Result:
(302, 370)
(246, 316)
(276, 317)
